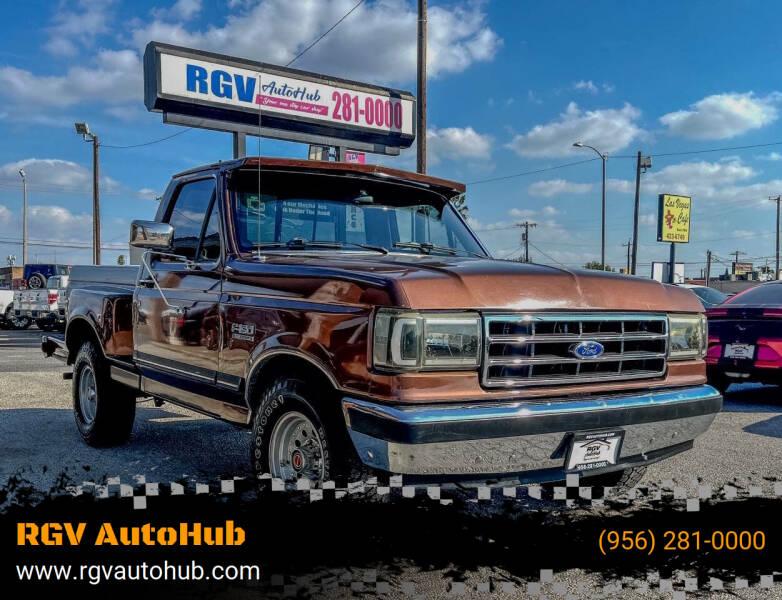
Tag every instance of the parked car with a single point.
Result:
(708, 296)
(46, 307)
(6, 308)
(745, 337)
(350, 317)
(36, 275)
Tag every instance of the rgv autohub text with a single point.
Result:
(181, 534)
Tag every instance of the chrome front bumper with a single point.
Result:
(528, 439)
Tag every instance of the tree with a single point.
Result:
(121, 259)
(595, 265)
(460, 204)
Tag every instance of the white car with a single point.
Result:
(44, 306)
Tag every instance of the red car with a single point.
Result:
(745, 337)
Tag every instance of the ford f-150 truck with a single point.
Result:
(348, 315)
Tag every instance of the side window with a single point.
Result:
(210, 245)
(188, 215)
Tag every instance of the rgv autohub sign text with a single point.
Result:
(181, 534)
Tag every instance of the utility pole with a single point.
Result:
(708, 267)
(644, 162)
(95, 203)
(525, 237)
(421, 89)
(603, 157)
(629, 245)
(24, 216)
(777, 200)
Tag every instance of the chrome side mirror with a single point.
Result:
(151, 234)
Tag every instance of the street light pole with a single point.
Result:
(24, 216)
(603, 157)
(84, 130)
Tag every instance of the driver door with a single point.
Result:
(176, 333)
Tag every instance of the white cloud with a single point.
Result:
(585, 86)
(5, 215)
(556, 187)
(72, 30)
(723, 116)
(147, 194)
(456, 143)
(115, 78)
(550, 211)
(276, 30)
(533, 98)
(607, 129)
(273, 31)
(52, 173)
(182, 10)
(725, 180)
(649, 219)
(772, 156)
(608, 88)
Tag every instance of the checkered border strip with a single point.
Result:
(571, 494)
(547, 586)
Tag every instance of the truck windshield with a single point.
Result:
(350, 212)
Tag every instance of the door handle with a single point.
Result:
(146, 283)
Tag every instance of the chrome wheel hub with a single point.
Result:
(296, 449)
(88, 395)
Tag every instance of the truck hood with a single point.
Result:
(445, 282)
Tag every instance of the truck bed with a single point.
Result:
(113, 275)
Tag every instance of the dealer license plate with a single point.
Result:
(594, 450)
(740, 351)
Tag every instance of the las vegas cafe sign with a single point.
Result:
(214, 91)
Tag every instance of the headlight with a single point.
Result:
(688, 335)
(408, 340)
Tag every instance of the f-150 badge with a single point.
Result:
(243, 331)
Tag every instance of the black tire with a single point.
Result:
(18, 323)
(36, 281)
(109, 421)
(619, 480)
(45, 324)
(288, 396)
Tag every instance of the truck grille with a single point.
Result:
(538, 349)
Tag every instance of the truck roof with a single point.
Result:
(387, 173)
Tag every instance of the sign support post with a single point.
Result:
(673, 225)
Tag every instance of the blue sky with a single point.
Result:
(512, 85)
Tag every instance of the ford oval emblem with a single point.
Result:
(587, 349)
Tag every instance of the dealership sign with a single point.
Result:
(229, 93)
(673, 219)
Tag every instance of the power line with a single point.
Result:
(163, 139)
(523, 173)
(328, 31)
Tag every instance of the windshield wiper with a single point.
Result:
(301, 244)
(427, 247)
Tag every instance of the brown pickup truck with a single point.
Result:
(350, 317)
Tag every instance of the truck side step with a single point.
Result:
(68, 375)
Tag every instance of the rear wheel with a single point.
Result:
(17, 322)
(104, 410)
(45, 324)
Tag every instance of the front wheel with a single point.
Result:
(104, 410)
(295, 437)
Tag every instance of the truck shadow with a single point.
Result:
(165, 446)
